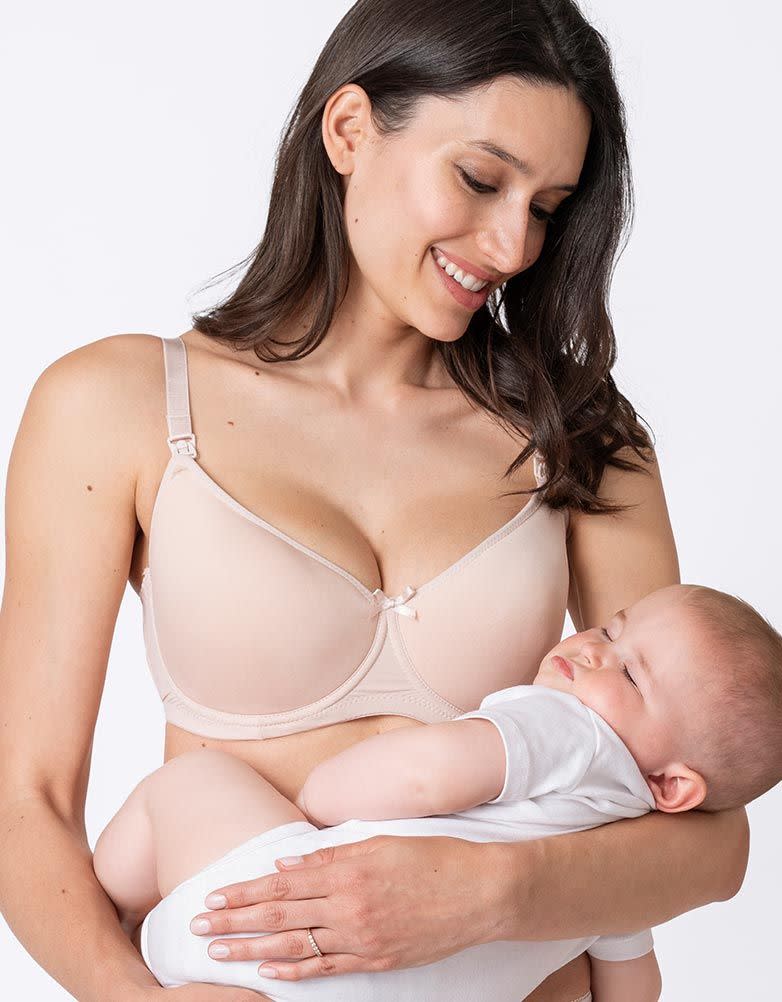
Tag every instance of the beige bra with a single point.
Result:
(251, 634)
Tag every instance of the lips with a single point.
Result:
(563, 666)
(466, 267)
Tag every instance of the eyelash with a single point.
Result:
(625, 672)
(485, 189)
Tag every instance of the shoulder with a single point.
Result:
(110, 363)
(101, 394)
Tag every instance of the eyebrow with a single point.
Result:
(521, 165)
(640, 658)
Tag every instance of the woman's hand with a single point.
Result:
(376, 905)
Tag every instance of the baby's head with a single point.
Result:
(691, 680)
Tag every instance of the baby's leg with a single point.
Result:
(185, 815)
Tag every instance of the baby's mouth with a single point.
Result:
(563, 666)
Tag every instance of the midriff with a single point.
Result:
(286, 761)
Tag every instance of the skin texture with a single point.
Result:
(298, 442)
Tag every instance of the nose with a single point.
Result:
(505, 243)
(596, 654)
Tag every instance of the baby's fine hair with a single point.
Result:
(739, 752)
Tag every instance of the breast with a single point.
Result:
(251, 635)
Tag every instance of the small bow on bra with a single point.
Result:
(397, 603)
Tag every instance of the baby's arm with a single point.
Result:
(409, 772)
(635, 980)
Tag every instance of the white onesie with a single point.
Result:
(566, 770)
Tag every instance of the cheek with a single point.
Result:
(394, 213)
(606, 695)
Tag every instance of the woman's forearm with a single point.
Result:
(53, 903)
(620, 877)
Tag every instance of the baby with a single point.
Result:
(674, 704)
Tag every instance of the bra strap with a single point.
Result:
(181, 440)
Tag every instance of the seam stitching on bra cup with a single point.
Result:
(515, 522)
(503, 532)
(200, 711)
(312, 710)
(222, 494)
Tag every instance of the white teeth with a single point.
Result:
(465, 279)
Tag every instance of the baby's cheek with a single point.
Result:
(607, 701)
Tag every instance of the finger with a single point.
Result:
(287, 946)
(319, 967)
(311, 883)
(329, 854)
(268, 916)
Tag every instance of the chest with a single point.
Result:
(392, 494)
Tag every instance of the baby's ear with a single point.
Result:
(677, 788)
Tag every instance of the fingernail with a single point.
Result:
(218, 951)
(290, 860)
(267, 972)
(199, 926)
(215, 901)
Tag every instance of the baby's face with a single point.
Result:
(641, 672)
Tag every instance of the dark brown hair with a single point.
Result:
(538, 355)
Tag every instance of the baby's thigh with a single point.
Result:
(204, 803)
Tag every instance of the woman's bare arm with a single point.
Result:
(70, 530)
(620, 877)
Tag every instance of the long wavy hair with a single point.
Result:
(538, 355)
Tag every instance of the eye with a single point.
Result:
(627, 674)
(541, 214)
(475, 184)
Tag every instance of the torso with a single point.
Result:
(390, 493)
(391, 496)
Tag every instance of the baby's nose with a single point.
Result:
(596, 654)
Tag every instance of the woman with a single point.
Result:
(372, 427)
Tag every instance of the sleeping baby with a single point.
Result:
(674, 704)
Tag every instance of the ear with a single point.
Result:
(344, 123)
(677, 788)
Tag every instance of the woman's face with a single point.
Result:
(408, 197)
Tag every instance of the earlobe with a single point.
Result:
(677, 788)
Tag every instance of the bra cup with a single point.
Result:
(488, 626)
(245, 622)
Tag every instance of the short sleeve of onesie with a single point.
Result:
(550, 739)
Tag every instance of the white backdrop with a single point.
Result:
(138, 144)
